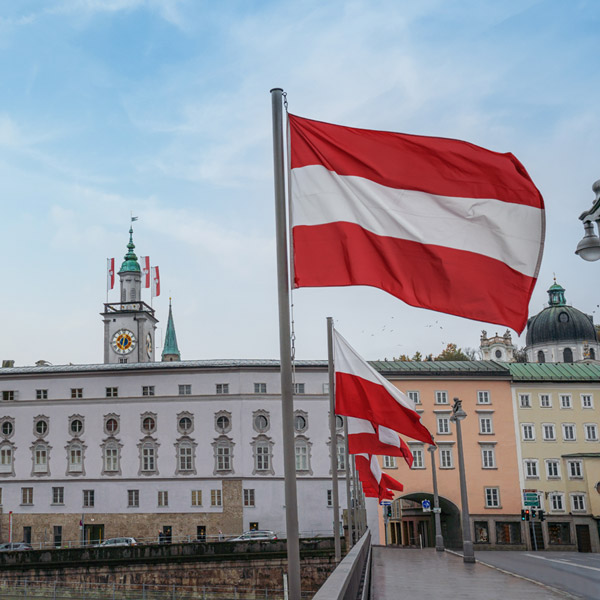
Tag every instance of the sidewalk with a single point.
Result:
(400, 574)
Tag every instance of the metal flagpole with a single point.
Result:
(348, 494)
(334, 457)
(285, 351)
(354, 498)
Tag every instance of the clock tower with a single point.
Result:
(129, 325)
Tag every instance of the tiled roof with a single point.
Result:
(555, 371)
(437, 368)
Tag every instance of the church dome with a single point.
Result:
(559, 322)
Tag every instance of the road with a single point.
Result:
(573, 572)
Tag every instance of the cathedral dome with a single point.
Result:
(559, 322)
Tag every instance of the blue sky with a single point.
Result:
(163, 108)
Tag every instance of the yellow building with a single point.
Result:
(557, 425)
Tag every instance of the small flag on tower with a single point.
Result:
(110, 274)
(155, 282)
(145, 262)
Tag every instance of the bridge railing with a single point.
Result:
(352, 574)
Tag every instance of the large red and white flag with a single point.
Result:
(145, 263)
(373, 478)
(361, 392)
(110, 274)
(370, 438)
(155, 282)
(439, 223)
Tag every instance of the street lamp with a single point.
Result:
(439, 540)
(589, 247)
(458, 414)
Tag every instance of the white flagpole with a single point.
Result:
(285, 351)
(333, 434)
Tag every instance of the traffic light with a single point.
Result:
(527, 515)
(388, 510)
(541, 515)
(532, 514)
(522, 514)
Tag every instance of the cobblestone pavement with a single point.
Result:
(400, 574)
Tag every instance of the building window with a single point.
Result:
(88, 498)
(223, 422)
(76, 426)
(568, 432)
(223, 457)
(215, 498)
(76, 392)
(483, 398)
(112, 392)
(111, 425)
(492, 497)
(414, 396)
(111, 458)
(148, 457)
(6, 458)
(41, 426)
(185, 389)
(75, 458)
(133, 498)
(528, 431)
(147, 390)
(300, 421)
(541, 356)
(552, 469)
(185, 424)
(587, 401)
(262, 456)
(485, 425)
(443, 425)
(27, 495)
(531, 468)
(298, 388)
(488, 458)
(559, 533)
(556, 502)
(591, 432)
(329, 498)
(41, 394)
(339, 422)
(260, 421)
(260, 388)
(545, 401)
(568, 355)
(148, 423)
(58, 495)
(418, 462)
(441, 397)
(196, 497)
(565, 401)
(8, 395)
(575, 470)
(341, 454)
(446, 461)
(549, 432)
(163, 498)
(578, 502)
(40, 458)
(185, 456)
(508, 532)
(7, 427)
(249, 497)
(122, 360)
(482, 535)
(222, 388)
(301, 449)
(389, 462)
(524, 400)
(326, 388)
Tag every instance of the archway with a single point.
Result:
(413, 527)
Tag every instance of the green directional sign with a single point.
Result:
(531, 499)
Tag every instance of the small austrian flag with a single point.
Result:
(110, 274)
(155, 282)
(145, 262)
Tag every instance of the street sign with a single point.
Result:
(437, 510)
(531, 499)
(426, 504)
(386, 503)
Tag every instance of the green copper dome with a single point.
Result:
(130, 263)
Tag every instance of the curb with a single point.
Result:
(544, 585)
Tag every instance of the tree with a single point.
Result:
(452, 352)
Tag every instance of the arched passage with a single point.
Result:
(411, 526)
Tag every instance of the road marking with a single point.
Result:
(564, 562)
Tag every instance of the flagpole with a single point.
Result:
(348, 494)
(354, 495)
(334, 457)
(285, 351)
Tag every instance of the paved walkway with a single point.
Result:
(400, 574)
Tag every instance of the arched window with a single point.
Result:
(148, 457)
(186, 456)
(75, 458)
(40, 459)
(568, 355)
(6, 458)
(111, 457)
(592, 354)
(302, 455)
(541, 356)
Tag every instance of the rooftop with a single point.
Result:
(555, 371)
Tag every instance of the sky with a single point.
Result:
(161, 109)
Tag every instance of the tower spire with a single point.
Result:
(170, 351)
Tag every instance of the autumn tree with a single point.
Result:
(452, 352)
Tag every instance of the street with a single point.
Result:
(573, 572)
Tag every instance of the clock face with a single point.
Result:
(149, 345)
(123, 341)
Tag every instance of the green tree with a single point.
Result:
(452, 352)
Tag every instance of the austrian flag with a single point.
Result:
(439, 223)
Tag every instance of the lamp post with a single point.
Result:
(439, 540)
(589, 247)
(458, 414)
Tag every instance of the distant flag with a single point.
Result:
(372, 477)
(110, 274)
(134, 219)
(155, 282)
(439, 223)
(361, 392)
(370, 438)
(145, 262)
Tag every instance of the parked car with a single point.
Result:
(254, 536)
(12, 546)
(118, 541)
